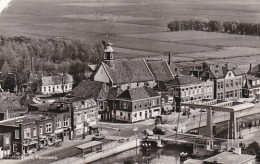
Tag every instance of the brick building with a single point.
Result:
(137, 104)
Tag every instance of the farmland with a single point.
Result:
(138, 27)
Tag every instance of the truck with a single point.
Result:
(161, 120)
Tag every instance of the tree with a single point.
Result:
(10, 83)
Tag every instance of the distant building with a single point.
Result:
(83, 115)
(96, 90)
(133, 73)
(255, 71)
(55, 84)
(251, 86)
(227, 80)
(137, 104)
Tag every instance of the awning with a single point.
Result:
(58, 131)
(88, 145)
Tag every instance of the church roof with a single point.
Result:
(128, 71)
(160, 70)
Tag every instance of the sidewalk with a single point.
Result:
(50, 150)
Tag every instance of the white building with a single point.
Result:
(55, 84)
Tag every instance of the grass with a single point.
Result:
(137, 27)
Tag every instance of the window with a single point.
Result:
(48, 127)
(124, 105)
(229, 74)
(16, 134)
(140, 114)
(158, 101)
(7, 140)
(34, 131)
(27, 133)
(49, 89)
(231, 83)
(44, 89)
(40, 129)
(57, 87)
(58, 124)
(121, 113)
(227, 85)
(65, 122)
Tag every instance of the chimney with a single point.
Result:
(169, 57)
(250, 67)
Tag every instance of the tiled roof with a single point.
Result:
(138, 93)
(91, 89)
(56, 80)
(184, 80)
(220, 70)
(127, 71)
(114, 92)
(160, 70)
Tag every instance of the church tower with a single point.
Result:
(108, 55)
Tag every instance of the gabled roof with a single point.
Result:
(138, 93)
(160, 70)
(184, 80)
(221, 70)
(56, 80)
(128, 71)
(91, 89)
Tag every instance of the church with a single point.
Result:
(127, 74)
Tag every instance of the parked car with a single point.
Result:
(148, 132)
(98, 137)
(159, 131)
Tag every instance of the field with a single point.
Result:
(138, 27)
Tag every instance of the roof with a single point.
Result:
(160, 70)
(91, 89)
(138, 93)
(88, 145)
(193, 161)
(220, 70)
(249, 79)
(56, 80)
(243, 106)
(114, 92)
(10, 102)
(184, 80)
(230, 158)
(128, 71)
(24, 120)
